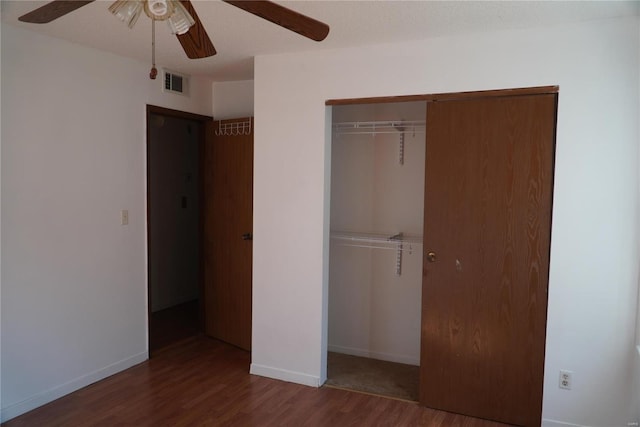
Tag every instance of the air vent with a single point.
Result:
(176, 83)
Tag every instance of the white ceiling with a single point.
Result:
(239, 36)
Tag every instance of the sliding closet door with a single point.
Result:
(488, 195)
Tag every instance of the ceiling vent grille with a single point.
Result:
(176, 83)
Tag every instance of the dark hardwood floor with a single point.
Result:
(204, 382)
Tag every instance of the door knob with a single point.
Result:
(247, 236)
(431, 257)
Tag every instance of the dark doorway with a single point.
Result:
(174, 205)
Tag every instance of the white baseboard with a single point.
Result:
(553, 423)
(285, 375)
(57, 392)
(397, 358)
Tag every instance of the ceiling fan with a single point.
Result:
(183, 20)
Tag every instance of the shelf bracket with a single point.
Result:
(399, 260)
(398, 237)
(400, 128)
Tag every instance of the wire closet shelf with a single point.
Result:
(398, 242)
(379, 127)
(398, 127)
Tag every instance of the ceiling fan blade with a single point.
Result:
(195, 42)
(287, 18)
(52, 10)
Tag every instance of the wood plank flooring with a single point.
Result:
(204, 382)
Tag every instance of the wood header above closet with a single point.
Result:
(447, 96)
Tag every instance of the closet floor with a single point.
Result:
(373, 376)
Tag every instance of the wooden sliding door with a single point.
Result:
(488, 197)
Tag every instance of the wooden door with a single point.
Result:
(488, 196)
(228, 221)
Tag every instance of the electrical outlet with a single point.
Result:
(566, 379)
(124, 217)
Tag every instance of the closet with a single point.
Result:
(439, 249)
(375, 266)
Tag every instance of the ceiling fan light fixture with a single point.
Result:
(128, 11)
(160, 10)
(181, 20)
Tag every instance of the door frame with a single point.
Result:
(201, 120)
(449, 96)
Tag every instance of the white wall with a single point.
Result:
(232, 100)
(74, 282)
(636, 399)
(594, 254)
(372, 311)
(1, 406)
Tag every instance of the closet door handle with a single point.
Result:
(431, 257)
(247, 236)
